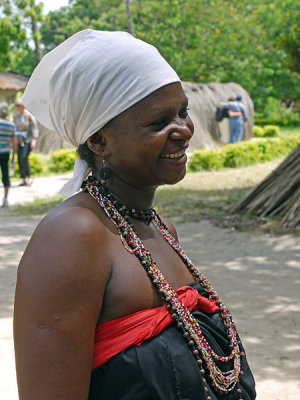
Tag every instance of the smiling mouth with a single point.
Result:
(174, 155)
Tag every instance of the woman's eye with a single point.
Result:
(159, 123)
(183, 113)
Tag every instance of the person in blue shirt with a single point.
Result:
(237, 117)
(7, 141)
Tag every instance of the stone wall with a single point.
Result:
(203, 98)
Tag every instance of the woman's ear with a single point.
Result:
(97, 143)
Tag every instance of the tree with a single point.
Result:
(82, 14)
(33, 13)
(12, 35)
(129, 17)
(16, 52)
(255, 44)
(277, 195)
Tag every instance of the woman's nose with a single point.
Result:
(182, 129)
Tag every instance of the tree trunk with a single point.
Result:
(36, 38)
(129, 18)
(278, 194)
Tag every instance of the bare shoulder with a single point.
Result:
(67, 243)
(171, 227)
(61, 282)
(65, 258)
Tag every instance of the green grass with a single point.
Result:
(289, 130)
(202, 195)
(38, 207)
(193, 205)
(183, 205)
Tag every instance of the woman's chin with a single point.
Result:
(172, 179)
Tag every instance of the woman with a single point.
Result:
(27, 133)
(102, 283)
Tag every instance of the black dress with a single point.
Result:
(164, 368)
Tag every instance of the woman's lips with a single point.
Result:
(177, 155)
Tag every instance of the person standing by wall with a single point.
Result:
(27, 133)
(237, 117)
(7, 141)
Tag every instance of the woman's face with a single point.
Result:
(147, 142)
(20, 108)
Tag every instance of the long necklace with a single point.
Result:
(223, 382)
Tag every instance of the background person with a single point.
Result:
(27, 133)
(104, 292)
(237, 118)
(7, 142)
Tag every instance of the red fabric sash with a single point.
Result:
(114, 336)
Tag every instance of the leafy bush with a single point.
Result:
(279, 122)
(62, 160)
(36, 165)
(271, 131)
(266, 131)
(276, 110)
(258, 131)
(207, 160)
(243, 153)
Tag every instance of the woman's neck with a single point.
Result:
(130, 195)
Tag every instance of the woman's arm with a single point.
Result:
(61, 281)
(233, 114)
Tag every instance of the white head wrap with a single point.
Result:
(89, 79)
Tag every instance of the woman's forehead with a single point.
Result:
(165, 97)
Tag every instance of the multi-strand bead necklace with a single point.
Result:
(120, 215)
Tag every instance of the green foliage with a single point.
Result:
(254, 44)
(36, 165)
(20, 25)
(271, 131)
(207, 160)
(266, 131)
(62, 160)
(258, 131)
(38, 207)
(243, 153)
(23, 61)
(278, 122)
(274, 109)
(12, 34)
(204, 41)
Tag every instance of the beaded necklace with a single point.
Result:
(222, 382)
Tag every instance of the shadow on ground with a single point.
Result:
(258, 278)
(14, 236)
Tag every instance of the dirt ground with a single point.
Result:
(257, 275)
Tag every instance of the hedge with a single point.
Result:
(36, 165)
(258, 131)
(62, 160)
(280, 122)
(266, 131)
(242, 153)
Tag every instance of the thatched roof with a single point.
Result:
(11, 80)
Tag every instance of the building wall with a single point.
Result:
(8, 95)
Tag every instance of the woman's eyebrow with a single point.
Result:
(168, 109)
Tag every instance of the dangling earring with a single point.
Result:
(104, 171)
